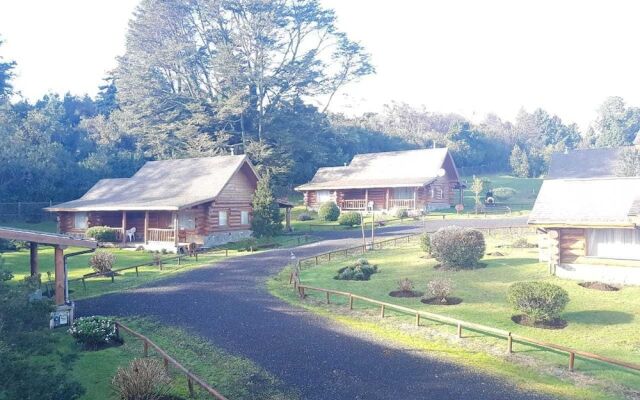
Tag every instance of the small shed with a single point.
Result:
(59, 242)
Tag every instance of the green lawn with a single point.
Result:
(605, 323)
(526, 191)
(235, 377)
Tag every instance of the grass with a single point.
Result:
(526, 191)
(235, 377)
(604, 323)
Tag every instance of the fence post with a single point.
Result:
(137, 271)
(328, 301)
(113, 277)
(166, 364)
(459, 330)
(417, 319)
(572, 360)
(84, 285)
(179, 260)
(382, 311)
(350, 302)
(190, 386)
(146, 349)
(509, 343)
(316, 260)
(329, 256)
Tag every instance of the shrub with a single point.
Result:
(457, 247)
(102, 261)
(522, 243)
(425, 243)
(357, 272)
(143, 379)
(440, 288)
(94, 331)
(101, 234)
(401, 213)
(349, 219)
(329, 211)
(540, 301)
(405, 285)
(504, 193)
(362, 261)
(304, 217)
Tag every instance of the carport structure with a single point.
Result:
(59, 242)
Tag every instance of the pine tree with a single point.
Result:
(519, 162)
(267, 220)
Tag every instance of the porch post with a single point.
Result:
(175, 228)
(415, 195)
(59, 274)
(386, 200)
(124, 228)
(146, 227)
(33, 258)
(366, 200)
(288, 218)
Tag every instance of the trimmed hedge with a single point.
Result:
(401, 213)
(101, 234)
(540, 301)
(504, 193)
(425, 243)
(329, 211)
(350, 219)
(455, 247)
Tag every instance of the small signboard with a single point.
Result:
(62, 316)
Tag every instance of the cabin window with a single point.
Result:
(186, 221)
(614, 243)
(404, 193)
(437, 193)
(244, 217)
(323, 196)
(222, 218)
(80, 220)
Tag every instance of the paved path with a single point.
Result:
(229, 305)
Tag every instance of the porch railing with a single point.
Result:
(360, 204)
(160, 235)
(402, 203)
(118, 231)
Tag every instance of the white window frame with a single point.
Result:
(186, 221)
(222, 219)
(323, 196)
(403, 193)
(244, 217)
(80, 220)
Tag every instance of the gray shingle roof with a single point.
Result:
(390, 169)
(584, 163)
(587, 202)
(160, 185)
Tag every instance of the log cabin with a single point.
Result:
(169, 203)
(416, 180)
(588, 218)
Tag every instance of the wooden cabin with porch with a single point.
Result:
(416, 180)
(588, 218)
(169, 203)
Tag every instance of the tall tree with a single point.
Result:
(616, 124)
(6, 73)
(519, 162)
(267, 220)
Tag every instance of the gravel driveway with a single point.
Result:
(229, 305)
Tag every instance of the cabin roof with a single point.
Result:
(390, 169)
(161, 185)
(587, 202)
(584, 163)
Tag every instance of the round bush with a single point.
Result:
(349, 219)
(102, 261)
(456, 247)
(94, 331)
(540, 301)
(101, 234)
(401, 213)
(329, 211)
(304, 217)
(504, 193)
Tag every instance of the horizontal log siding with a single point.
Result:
(233, 217)
(239, 189)
(572, 244)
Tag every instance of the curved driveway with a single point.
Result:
(229, 305)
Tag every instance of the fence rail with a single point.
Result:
(168, 360)
(458, 323)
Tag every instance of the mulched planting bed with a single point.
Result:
(405, 293)
(599, 286)
(526, 321)
(451, 301)
(443, 268)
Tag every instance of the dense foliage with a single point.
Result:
(96, 331)
(329, 211)
(142, 379)
(425, 242)
(101, 233)
(455, 247)
(361, 270)
(503, 193)
(540, 301)
(102, 261)
(350, 218)
(440, 289)
(267, 220)
(400, 213)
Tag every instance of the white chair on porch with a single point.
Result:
(131, 234)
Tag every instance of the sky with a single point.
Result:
(466, 56)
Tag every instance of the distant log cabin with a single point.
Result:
(414, 180)
(172, 202)
(588, 218)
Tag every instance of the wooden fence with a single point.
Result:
(459, 324)
(168, 360)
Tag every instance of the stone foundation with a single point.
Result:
(599, 273)
(225, 237)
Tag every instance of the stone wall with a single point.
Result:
(217, 239)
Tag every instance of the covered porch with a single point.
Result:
(378, 199)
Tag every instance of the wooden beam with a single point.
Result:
(33, 258)
(59, 275)
(175, 227)
(146, 227)
(366, 200)
(52, 239)
(124, 228)
(415, 195)
(386, 200)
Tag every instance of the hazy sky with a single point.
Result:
(470, 56)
